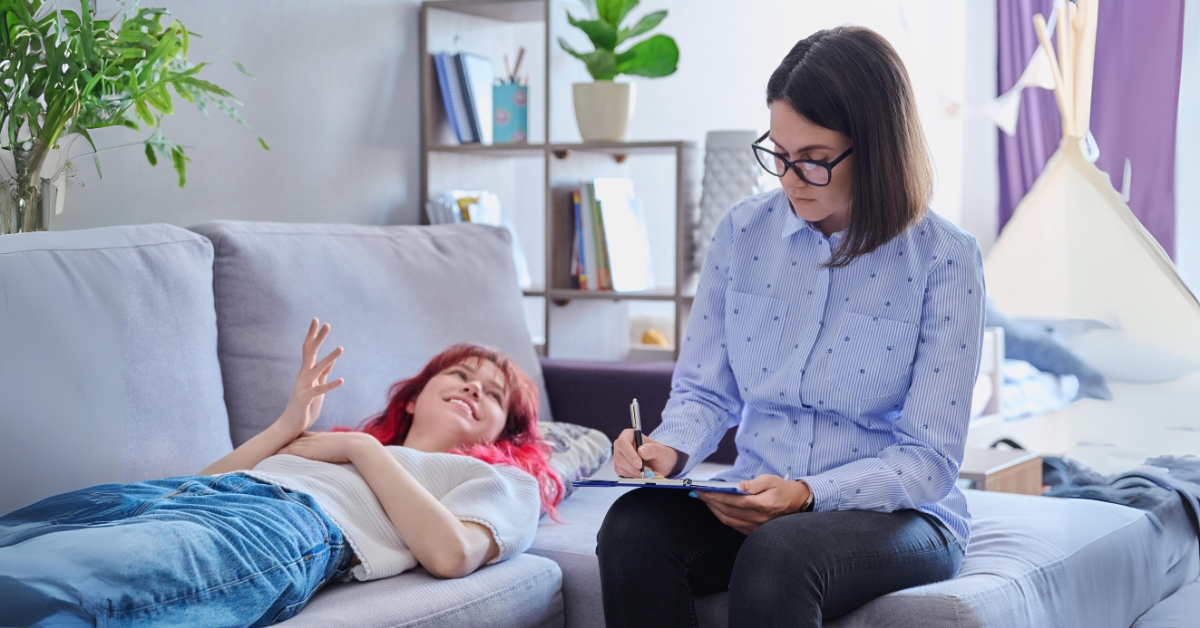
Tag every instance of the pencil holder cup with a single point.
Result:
(511, 118)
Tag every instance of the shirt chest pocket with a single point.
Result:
(872, 356)
(753, 328)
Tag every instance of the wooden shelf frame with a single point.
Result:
(686, 157)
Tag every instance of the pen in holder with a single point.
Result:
(511, 119)
(637, 429)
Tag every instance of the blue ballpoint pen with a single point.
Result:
(637, 430)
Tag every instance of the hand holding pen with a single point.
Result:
(635, 454)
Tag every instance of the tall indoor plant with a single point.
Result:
(65, 72)
(603, 107)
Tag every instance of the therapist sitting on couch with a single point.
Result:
(838, 325)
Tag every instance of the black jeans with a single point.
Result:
(660, 549)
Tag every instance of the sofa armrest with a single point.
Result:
(597, 394)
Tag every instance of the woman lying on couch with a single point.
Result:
(452, 475)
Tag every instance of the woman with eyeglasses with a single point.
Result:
(837, 324)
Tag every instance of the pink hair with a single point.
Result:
(520, 443)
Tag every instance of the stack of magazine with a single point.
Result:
(610, 250)
(483, 207)
(465, 81)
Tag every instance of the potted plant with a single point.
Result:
(65, 72)
(603, 107)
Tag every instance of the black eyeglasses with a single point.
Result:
(818, 173)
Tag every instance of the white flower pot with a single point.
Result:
(603, 110)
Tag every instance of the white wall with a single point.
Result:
(335, 97)
(1187, 154)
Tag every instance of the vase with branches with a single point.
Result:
(67, 71)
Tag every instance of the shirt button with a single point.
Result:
(835, 423)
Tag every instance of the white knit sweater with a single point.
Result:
(503, 499)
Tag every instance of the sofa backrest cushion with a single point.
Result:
(395, 297)
(108, 359)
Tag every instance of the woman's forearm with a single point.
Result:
(253, 451)
(445, 546)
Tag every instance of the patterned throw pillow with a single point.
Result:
(576, 451)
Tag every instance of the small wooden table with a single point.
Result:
(1005, 471)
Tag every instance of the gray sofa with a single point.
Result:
(135, 352)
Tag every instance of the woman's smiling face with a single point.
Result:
(795, 137)
(464, 405)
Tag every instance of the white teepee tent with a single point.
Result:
(1074, 252)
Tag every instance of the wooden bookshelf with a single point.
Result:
(537, 177)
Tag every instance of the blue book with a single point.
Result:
(443, 77)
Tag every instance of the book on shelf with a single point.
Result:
(611, 250)
(453, 98)
(465, 82)
(458, 206)
(579, 268)
(477, 77)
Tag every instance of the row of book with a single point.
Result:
(481, 206)
(610, 250)
(465, 81)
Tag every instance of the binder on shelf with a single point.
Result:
(453, 97)
(627, 246)
(476, 74)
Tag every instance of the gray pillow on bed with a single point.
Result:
(1038, 346)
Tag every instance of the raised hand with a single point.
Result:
(312, 383)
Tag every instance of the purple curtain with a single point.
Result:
(1135, 97)
(1039, 127)
(1135, 94)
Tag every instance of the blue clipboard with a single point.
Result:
(685, 484)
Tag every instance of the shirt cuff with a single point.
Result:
(827, 495)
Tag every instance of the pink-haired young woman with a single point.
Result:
(452, 475)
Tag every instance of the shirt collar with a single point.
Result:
(793, 223)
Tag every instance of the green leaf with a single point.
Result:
(613, 11)
(601, 33)
(263, 143)
(150, 156)
(96, 160)
(161, 99)
(84, 132)
(180, 163)
(144, 112)
(601, 64)
(645, 24)
(654, 57)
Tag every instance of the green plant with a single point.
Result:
(653, 57)
(66, 72)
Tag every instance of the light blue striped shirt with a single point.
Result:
(856, 380)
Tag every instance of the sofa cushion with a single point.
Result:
(1032, 561)
(517, 593)
(109, 369)
(395, 296)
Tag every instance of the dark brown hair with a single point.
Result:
(849, 79)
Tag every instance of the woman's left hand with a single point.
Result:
(328, 446)
(770, 496)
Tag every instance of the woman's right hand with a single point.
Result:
(308, 394)
(659, 458)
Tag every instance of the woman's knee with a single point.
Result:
(780, 557)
